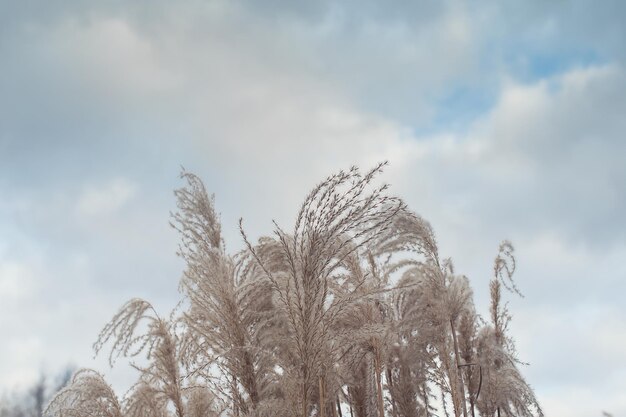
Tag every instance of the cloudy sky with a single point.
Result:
(499, 119)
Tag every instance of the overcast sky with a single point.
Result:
(500, 120)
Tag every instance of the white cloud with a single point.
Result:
(22, 352)
(105, 199)
(545, 159)
(15, 281)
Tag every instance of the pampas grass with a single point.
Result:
(350, 310)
